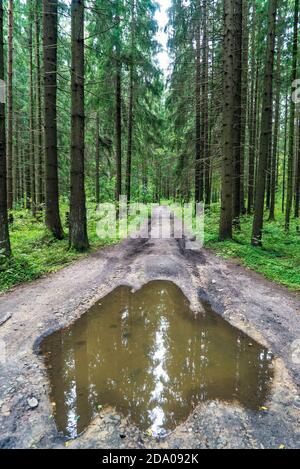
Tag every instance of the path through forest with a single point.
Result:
(265, 311)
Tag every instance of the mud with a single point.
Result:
(266, 312)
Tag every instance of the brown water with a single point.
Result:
(147, 355)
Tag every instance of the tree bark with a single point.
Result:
(10, 107)
(285, 152)
(130, 107)
(205, 120)
(290, 170)
(229, 60)
(118, 113)
(78, 222)
(198, 132)
(39, 140)
(244, 101)
(297, 176)
(4, 233)
(31, 115)
(238, 15)
(276, 131)
(252, 116)
(266, 128)
(52, 216)
(97, 174)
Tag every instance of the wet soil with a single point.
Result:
(267, 313)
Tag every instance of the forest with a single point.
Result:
(119, 328)
(87, 114)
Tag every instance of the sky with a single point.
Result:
(162, 37)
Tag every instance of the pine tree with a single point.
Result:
(10, 107)
(78, 222)
(266, 128)
(4, 234)
(291, 160)
(229, 123)
(52, 216)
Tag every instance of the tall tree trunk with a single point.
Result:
(52, 216)
(290, 175)
(285, 151)
(10, 107)
(31, 159)
(38, 103)
(244, 101)
(205, 123)
(297, 176)
(118, 115)
(252, 114)
(78, 222)
(97, 160)
(228, 135)
(4, 234)
(130, 106)
(266, 128)
(238, 14)
(276, 131)
(15, 161)
(198, 132)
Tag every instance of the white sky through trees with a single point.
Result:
(162, 37)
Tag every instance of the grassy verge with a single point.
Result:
(278, 260)
(36, 252)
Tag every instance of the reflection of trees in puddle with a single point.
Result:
(150, 357)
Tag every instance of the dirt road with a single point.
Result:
(268, 313)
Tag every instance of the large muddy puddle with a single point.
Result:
(151, 358)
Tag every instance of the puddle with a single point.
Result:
(147, 355)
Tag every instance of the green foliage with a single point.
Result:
(36, 252)
(278, 260)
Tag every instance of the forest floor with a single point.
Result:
(268, 313)
(36, 253)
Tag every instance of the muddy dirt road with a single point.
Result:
(266, 312)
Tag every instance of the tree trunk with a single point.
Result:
(78, 222)
(266, 128)
(198, 133)
(252, 115)
(238, 112)
(244, 101)
(97, 174)
(130, 107)
(38, 103)
(52, 216)
(275, 140)
(285, 152)
(118, 115)
(10, 107)
(290, 171)
(229, 76)
(205, 123)
(4, 234)
(31, 115)
(297, 177)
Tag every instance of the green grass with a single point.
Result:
(278, 260)
(36, 252)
